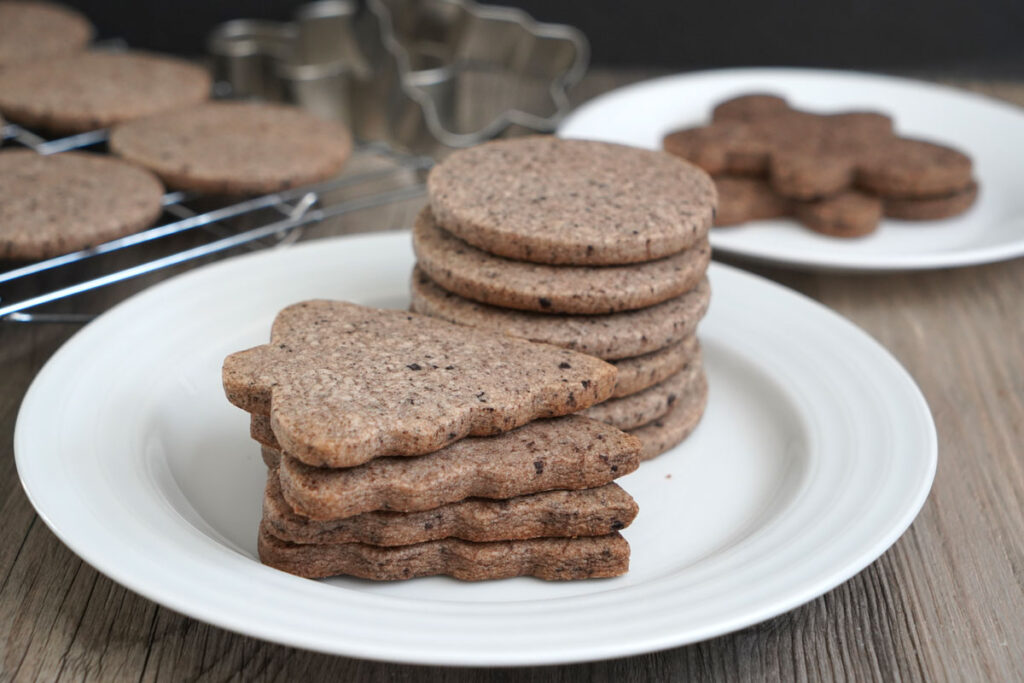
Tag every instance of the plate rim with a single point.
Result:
(835, 263)
(237, 623)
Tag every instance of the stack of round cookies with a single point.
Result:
(591, 246)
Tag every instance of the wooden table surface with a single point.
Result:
(946, 602)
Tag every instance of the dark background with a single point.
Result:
(984, 38)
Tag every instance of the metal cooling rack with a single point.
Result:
(376, 175)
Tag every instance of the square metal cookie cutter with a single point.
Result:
(393, 69)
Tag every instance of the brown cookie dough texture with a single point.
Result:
(343, 384)
(235, 147)
(639, 372)
(744, 198)
(808, 156)
(932, 208)
(33, 31)
(914, 169)
(555, 559)
(750, 107)
(672, 429)
(566, 453)
(648, 405)
(571, 202)
(51, 205)
(471, 273)
(612, 336)
(97, 89)
(847, 214)
(587, 512)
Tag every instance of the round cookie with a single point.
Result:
(571, 202)
(52, 205)
(648, 405)
(612, 336)
(848, 214)
(742, 199)
(471, 273)
(98, 89)
(32, 31)
(931, 208)
(670, 430)
(639, 372)
(235, 147)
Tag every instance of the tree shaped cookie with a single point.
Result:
(552, 559)
(343, 384)
(569, 452)
(549, 514)
(808, 156)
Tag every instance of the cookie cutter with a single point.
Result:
(393, 70)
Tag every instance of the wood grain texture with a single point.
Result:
(945, 603)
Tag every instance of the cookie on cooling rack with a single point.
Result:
(52, 205)
(235, 148)
(96, 89)
(34, 31)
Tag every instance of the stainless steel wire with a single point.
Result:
(291, 211)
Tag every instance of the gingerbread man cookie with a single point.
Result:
(808, 156)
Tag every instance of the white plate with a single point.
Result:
(992, 132)
(816, 452)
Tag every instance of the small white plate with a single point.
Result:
(990, 131)
(816, 452)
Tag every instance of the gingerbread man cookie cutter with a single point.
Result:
(393, 70)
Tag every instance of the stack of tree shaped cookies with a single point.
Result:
(838, 174)
(400, 446)
(586, 245)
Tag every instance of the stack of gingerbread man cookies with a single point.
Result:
(838, 174)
